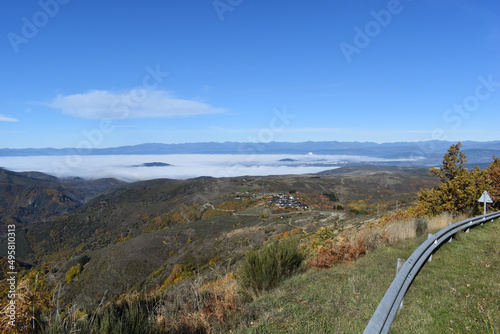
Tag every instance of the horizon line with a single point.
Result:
(250, 142)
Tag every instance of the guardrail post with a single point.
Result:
(428, 237)
(399, 265)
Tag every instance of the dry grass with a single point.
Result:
(377, 237)
(27, 309)
(443, 220)
(407, 229)
(401, 231)
(201, 307)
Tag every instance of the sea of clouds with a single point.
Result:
(182, 166)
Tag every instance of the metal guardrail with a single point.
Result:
(383, 317)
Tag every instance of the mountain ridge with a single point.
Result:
(430, 149)
(33, 196)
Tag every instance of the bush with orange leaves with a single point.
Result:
(179, 273)
(287, 234)
(30, 304)
(221, 298)
(343, 251)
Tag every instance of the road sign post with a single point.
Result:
(486, 199)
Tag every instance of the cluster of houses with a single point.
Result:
(286, 201)
(245, 194)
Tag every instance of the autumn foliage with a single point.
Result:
(287, 234)
(32, 299)
(179, 273)
(212, 306)
(460, 187)
(343, 251)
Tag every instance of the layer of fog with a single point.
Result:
(182, 166)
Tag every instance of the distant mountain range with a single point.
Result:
(428, 152)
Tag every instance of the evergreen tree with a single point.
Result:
(454, 162)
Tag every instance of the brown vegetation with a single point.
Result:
(343, 251)
(287, 234)
(32, 299)
(204, 307)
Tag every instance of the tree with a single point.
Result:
(494, 176)
(460, 188)
(454, 162)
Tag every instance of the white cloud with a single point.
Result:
(183, 166)
(136, 103)
(7, 119)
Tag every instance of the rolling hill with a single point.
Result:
(134, 235)
(33, 197)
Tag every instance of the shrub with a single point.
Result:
(125, 317)
(358, 212)
(72, 273)
(200, 307)
(375, 238)
(287, 234)
(31, 306)
(331, 196)
(342, 252)
(320, 238)
(266, 268)
(220, 298)
(179, 273)
(278, 236)
(84, 260)
(421, 226)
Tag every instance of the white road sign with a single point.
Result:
(485, 198)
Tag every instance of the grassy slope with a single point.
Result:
(458, 292)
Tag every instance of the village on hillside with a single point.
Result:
(284, 201)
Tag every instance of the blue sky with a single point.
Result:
(112, 73)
